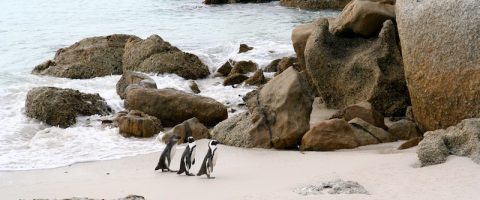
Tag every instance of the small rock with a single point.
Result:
(287, 62)
(226, 68)
(193, 86)
(243, 67)
(244, 48)
(379, 133)
(410, 143)
(272, 67)
(404, 129)
(256, 79)
(338, 186)
(139, 124)
(234, 79)
(329, 135)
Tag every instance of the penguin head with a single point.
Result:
(190, 139)
(213, 143)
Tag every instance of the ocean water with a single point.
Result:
(31, 32)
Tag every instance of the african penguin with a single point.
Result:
(167, 154)
(210, 160)
(188, 157)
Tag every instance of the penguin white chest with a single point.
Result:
(214, 159)
(173, 151)
(192, 158)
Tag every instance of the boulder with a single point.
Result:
(256, 79)
(315, 4)
(235, 1)
(410, 143)
(243, 67)
(226, 68)
(88, 58)
(193, 86)
(278, 115)
(60, 107)
(440, 46)
(287, 62)
(404, 129)
(173, 107)
(347, 71)
(244, 48)
(300, 35)
(272, 66)
(364, 111)
(378, 133)
(234, 79)
(130, 78)
(363, 17)
(138, 124)
(154, 55)
(363, 137)
(461, 140)
(329, 135)
(192, 127)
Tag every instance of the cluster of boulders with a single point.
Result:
(235, 1)
(315, 4)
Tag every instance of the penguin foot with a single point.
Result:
(189, 174)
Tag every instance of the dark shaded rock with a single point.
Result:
(272, 67)
(155, 55)
(194, 87)
(226, 68)
(364, 111)
(173, 107)
(256, 79)
(378, 133)
(138, 124)
(243, 67)
(244, 48)
(347, 71)
(315, 4)
(60, 107)
(410, 143)
(329, 135)
(235, 1)
(234, 79)
(287, 62)
(130, 78)
(192, 127)
(404, 129)
(88, 58)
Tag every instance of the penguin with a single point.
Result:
(188, 157)
(167, 155)
(210, 160)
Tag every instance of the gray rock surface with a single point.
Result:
(129, 78)
(338, 186)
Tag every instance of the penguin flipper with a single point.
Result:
(193, 161)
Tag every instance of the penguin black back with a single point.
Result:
(210, 160)
(188, 157)
(167, 154)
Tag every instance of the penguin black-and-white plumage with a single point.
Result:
(188, 157)
(167, 155)
(210, 160)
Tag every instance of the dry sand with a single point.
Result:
(255, 174)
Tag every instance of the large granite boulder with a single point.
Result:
(155, 55)
(347, 71)
(461, 140)
(363, 17)
(129, 78)
(138, 124)
(60, 107)
(192, 127)
(440, 43)
(173, 107)
(88, 58)
(278, 115)
(329, 135)
(315, 4)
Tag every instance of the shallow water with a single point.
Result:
(31, 32)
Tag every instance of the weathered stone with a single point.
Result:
(192, 127)
(315, 4)
(440, 43)
(129, 78)
(409, 114)
(404, 129)
(244, 48)
(363, 17)
(173, 107)
(365, 111)
(155, 55)
(410, 143)
(329, 135)
(256, 79)
(225, 69)
(60, 107)
(461, 140)
(300, 35)
(243, 67)
(272, 67)
(347, 71)
(88, 58)
(138, 124)
(235, 1)
(287, 62)
(363, 137)
(194, 87)
(378, 133)
(234, 79)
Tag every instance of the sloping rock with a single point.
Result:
(410, 143)
(315, 4)
(173, 107)
(329, 135)
(60, 107)
(300, 35)
(278, 116)
(363, 17)
(272, 66)
(256, 79)
(404, 129)
(461, 140)
(138, 124)
(378, 133)
(193, 86)
(363, 137)
(155, 55)
(234, 79)
(440, 45)
(129, 78)
(88, 58)
(192, 127)
(287, 62)
(226, 68)
(365, 111)
(243, 67)
(347, 71)
(244, 48)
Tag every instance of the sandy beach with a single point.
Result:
(255, 174)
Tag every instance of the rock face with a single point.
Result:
(315, 4)
(60, 107)
(440, 41)
(244, 48)
(225, 69)
(363, 17)
(378, 133)
(300, 35)
(129, 78)
(138, 124)
(346, 71)
(256, 79)
(173, 107)
(461, 140)
(404, 129)
(235, 1)
(243, 67)
(278, 115)
(88, 58)
(192, 127)
(364, 111)
(234, 79)
(155, 55)
(193, 86)
(328, 136)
